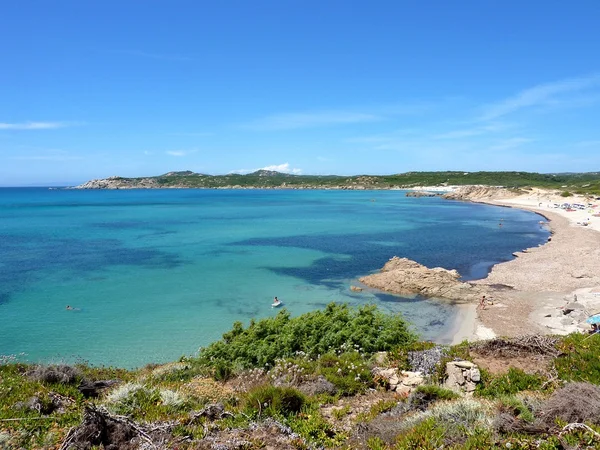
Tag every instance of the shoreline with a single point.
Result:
(540, 280)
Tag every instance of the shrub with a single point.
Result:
(365, 329)
(273, 401)
(515, 380)
(576, 402)
(223, 371)
(348, 372)
(172, 399)
(565, 194)
(423, 396)
(579, 359)
(62, 374)
(516, 408)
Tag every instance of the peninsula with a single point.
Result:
(265, 179)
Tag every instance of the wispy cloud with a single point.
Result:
(471, 132)
(152, 55)
(291, 121)
(510, 143)
(48, 155)
(584, 144)
(543, 94)
(283, 168)
(35, 125)
(180, 153)
(198, 134)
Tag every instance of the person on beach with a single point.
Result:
(69, 307)
(482, 302)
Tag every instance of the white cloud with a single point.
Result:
(283, 168)
(34, 125)
(180, 153)
(543, 94)
(291, 121)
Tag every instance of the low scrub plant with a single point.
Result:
(579, 359)
(515, 380)
(54, 374)
(348, 372)
(273, 401)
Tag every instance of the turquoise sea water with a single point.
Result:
(154, 274)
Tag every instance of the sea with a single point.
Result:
(153, 275)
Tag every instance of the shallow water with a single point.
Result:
(154, 274)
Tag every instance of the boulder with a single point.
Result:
(404, 276)
(462, 376)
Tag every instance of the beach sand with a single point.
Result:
(530, 291)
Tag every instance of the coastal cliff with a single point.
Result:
(404, 276)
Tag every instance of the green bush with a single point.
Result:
(515, 380)
(517, 408)
(348, 372)
(579, 360)
(565, 194)
(273, 401)
(434, 393)
(223, 371)
(338, 326)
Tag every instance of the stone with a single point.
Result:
(394, 380)
(403, 390)
(412, 379)
(566, 321)
(355, 289)
(572, 307)
(380, 358)
(464, 364)
(404, 276)
(475, 375)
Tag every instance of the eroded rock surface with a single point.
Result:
(404, 276)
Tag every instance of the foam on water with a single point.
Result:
(154, 274)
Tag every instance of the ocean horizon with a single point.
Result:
(152, 275)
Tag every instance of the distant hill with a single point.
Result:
(269, 179)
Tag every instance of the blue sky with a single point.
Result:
(90, 89)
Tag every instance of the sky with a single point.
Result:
(91, 89)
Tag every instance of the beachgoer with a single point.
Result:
(482, 302)
(69, 307)
(276, 301)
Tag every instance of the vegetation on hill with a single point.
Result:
(306, 382)
(574, 182)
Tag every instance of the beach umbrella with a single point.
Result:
(593, 319)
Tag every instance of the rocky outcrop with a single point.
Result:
(404, 276)
(474, 192)
(422, 194)
(462, 376)
(403, 382)
(120, 183)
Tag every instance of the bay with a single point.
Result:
(155, 274)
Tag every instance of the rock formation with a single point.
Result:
(403, 382)
(462, 376)
(422, 194)
(474, 192)
(404, 276)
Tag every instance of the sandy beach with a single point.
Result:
(530, 293)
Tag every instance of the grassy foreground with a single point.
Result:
(307, 382)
